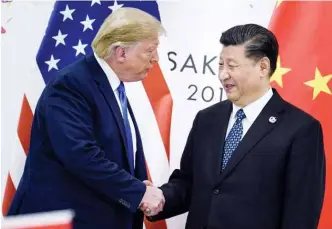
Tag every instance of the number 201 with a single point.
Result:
(207, 93)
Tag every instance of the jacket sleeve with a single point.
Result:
(69, 123)
(178, 190)
(305, 179)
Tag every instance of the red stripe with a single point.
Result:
(23, 131)
(9, 195)
(157, 225)
(24, 125)
(56, 226)
(161, 102)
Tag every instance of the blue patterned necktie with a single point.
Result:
(124, 108)
(234, 137)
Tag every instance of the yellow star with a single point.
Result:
(319, 83)
(278, 74)
(278, 3)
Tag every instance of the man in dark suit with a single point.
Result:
(253, 161)
(86, 152)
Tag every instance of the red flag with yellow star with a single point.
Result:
(304, 70)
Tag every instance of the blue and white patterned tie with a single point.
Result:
(124, 108)
(234, 137)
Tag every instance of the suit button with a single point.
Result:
(216, 191)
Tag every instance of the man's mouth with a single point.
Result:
(228, 87)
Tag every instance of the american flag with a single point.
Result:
(72, 27)
(70, 31)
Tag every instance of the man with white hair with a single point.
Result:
(86, 152)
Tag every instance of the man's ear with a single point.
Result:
(120, 54)
(264, 67)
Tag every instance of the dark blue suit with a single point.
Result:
(275, 178)
(77, 158)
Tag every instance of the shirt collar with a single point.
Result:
(111, 76)
(253, 109)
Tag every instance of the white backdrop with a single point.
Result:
(193, 31)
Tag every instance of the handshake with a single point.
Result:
(153, 200)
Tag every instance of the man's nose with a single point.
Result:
(223, 75)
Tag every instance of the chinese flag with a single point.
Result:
(304, 71)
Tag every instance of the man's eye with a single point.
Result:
(232, 66)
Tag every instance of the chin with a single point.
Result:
(232, 97)
(144, 75)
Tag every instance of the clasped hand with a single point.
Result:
(153, 200)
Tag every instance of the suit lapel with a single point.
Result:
(219, 129)
(107, 91)
(260, 128)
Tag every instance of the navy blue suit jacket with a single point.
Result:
(274, 180)
(77, 157)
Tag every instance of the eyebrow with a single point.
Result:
(228, 60)
(152, 46)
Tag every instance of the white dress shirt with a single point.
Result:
(251, 111)
(115, 82)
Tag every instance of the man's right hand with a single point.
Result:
(153, 200)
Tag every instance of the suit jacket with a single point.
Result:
(274, 180)
(77, 157)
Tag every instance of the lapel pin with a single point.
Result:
(272, 119)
